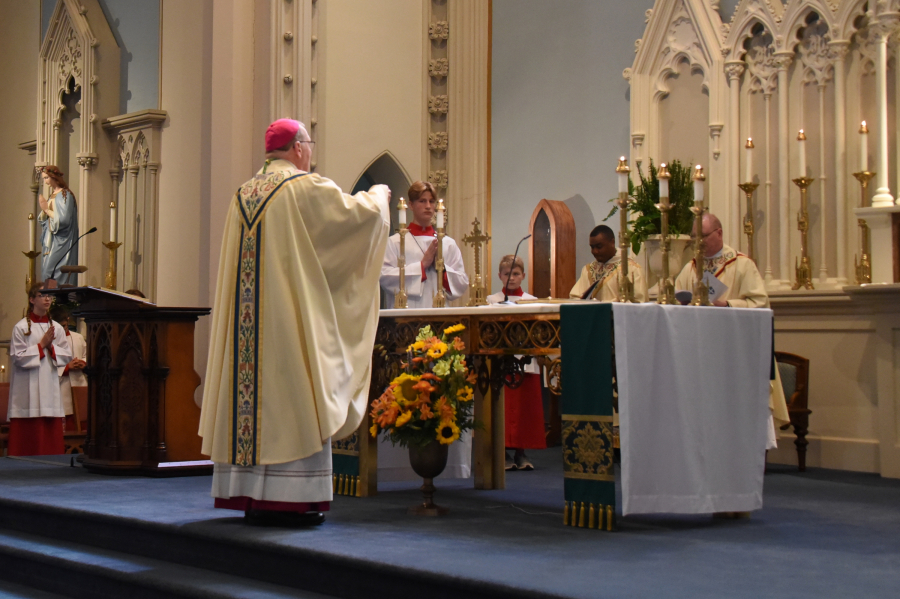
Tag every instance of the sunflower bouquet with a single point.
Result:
(432, 399)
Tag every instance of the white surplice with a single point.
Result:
(34, 380)
(421, 285)
(72, 378)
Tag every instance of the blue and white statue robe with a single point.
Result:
(59, 230)
(293, 328)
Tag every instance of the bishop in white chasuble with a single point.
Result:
(294, 323)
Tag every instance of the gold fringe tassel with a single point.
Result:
(609, 517)
(581, 516)
(591, 517)
(566, 515)
(358, 488)
(334, 480)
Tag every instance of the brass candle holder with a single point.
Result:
(440, 299)
(700, 295)
(803, 266)
(112, 246)
(863, 265)
(401, 299)
(31, 275)
(666, 288)
(626, 285)
(477, 293)
(749, 230)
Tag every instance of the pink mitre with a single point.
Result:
(281, 132)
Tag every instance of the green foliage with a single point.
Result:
(644, 216)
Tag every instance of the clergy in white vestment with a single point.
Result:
(599, 280)
(742, 287)
(72, 374)
(294, 322)
(421, 285)
(37, 350)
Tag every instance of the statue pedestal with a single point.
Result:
(885, 262)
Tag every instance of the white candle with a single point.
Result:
(112, 222)
(623, 178)
(698, 184)
(401, 212)
(801, 137)
(440, 219)
(31, 232)
(749, 152)
(863, 147)
(663, 184)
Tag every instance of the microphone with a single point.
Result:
(93, 230)
(506, 287)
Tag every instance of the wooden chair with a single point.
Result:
(794, 371)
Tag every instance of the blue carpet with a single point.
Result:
(820, 533)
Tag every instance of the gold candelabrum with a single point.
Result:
(803, 266)
(112, 246)
(32, 254)
(749, 230)
(401, 299)
(863, 263)
(439, 299)
(701, 289)
(666, 288)
(626, 285)
(477, 293)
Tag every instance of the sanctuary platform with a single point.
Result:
(72, 533)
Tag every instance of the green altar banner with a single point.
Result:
(587, 422)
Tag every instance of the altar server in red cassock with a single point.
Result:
(37, 350)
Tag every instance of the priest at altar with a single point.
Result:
(421, 285)
(294, 321)
(741, 287)
(599, 280)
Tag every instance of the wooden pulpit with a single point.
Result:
(142, 418)
(551, 254)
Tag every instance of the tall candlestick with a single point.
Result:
(401, 211)
(623, 175)
(663, 182)
(863, 147)
(666, 293)
(440, 214)
(30, 232)
(699, 178)
(402, 298)
(749, 152)
(801, 137)
(626, 285)
(440, 299)
(112, 222)
(701, 289)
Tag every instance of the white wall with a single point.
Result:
(560, 112)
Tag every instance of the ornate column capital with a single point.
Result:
(783, 60)
(839, 49)
(734, 69)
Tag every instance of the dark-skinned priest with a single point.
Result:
(293, 326)
(599, 280)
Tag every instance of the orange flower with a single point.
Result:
(458, 345)
(445, 409)
(388, 415)
(424, 387)
(472, 378)
(425, 412)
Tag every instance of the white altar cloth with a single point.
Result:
(693, 407)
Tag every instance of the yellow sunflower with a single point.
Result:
(465, 394)
(402, 388)
(374, 429)
(447, 432)
(454, 329)
(417, 346)
(437, 350)
(402, 419)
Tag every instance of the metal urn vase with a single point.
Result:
(428, 462)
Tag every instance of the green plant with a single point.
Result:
(646, 219)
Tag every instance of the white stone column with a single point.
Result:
(883, 29)
(823, 178)
(840, 48)
(734, 70)
(770, 210)
(783, 62)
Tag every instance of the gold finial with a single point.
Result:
(112, 204)
(698, 174)
(401, 205)
(863, 128)
(801, 136)
(663, 172)
(30, 216)
(623, 165)
(749, 145)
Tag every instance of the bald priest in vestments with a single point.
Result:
(599, 280)
(745, 289)
(294, 322)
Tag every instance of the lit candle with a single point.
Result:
(30, 232)
(749, 151)
(440, 214)
(401, 212)
(112, 222)
(663, 178)
(622, 171)
(801, 137)
(863, 147)
(699, 178)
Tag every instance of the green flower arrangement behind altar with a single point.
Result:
(647, 219)
(432, 399)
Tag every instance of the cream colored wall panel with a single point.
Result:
(371, 86)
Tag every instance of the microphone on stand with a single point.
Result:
(506, 287)
(51, 282)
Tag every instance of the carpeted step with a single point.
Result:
(78, 570)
